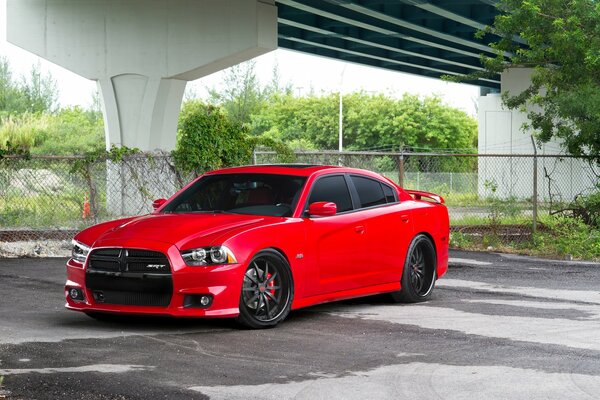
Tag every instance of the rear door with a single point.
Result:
(388, 229)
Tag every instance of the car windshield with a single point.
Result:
(255, 194)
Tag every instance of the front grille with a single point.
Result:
(129, 260)
(129, 277)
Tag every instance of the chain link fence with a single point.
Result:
(490, 197)
(506, 196)
(43, 197)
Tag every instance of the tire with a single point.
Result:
(267, 291)
(419, 272)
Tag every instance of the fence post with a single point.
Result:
(254, 156)
(93, 192)
(401, 169)
(535, 187)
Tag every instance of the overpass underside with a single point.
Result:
(143, 52)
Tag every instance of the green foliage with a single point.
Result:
(115, 154)
(19, 134)
(207, 140)
(30, 121)
(70, 131)
(241, 95)
(565, 235)
(40, 92)
(370, 122)
(43, 210)
(557, 237)
(459, 240)
(563, 47)
(499, 208)
(587, 208)
(37, 94)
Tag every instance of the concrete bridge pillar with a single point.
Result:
(142, 52)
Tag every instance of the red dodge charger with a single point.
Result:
(256, 242)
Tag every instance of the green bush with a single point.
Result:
(207, 140)
(70, 131)
(566, 235)
(588, 208)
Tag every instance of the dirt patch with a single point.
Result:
(35, 248)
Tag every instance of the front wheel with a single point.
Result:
(419, 273)
(267, 291)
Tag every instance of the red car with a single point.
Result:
(256, 242)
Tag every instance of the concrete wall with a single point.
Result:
(500, 132)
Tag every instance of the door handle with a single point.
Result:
(359, 229)
(404, 218)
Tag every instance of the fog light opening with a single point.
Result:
(76, 294)
(197, 301)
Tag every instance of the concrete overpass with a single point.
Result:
(142, 52)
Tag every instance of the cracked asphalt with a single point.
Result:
(498, 327)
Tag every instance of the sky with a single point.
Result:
(302, 71)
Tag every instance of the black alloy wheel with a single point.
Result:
(418, 276)
(267, 291)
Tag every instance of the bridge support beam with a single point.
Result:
(142, 52)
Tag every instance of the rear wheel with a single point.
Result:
(418, 276)
(267, 291)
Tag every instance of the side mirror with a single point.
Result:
(322, 209)
(156, 204)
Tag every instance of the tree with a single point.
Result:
(370, 122)
(36, 94)
(241, 95)
(562, 45)
(207, 140)
(40, 91)
(12, 100)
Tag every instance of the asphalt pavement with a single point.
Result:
(497, 327)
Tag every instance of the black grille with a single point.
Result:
(129, 260)
(132, 298)
(129, 277)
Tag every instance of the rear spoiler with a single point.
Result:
(417, 195)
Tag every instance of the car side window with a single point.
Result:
(370, 192)
(332, 189)
(390, 197)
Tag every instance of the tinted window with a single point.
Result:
(389, 194)
(258, 194)
(332, 189)
(369, 191)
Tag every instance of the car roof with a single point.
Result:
(280, 169)
(293, 169)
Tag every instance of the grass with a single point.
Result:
(2, 395)
(41, 211)
(47, 211)
(557, 237)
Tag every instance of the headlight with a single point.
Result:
(208, 256)
(79, 252)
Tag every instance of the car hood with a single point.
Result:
(177, 229)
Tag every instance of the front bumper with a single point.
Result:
(222, 283)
